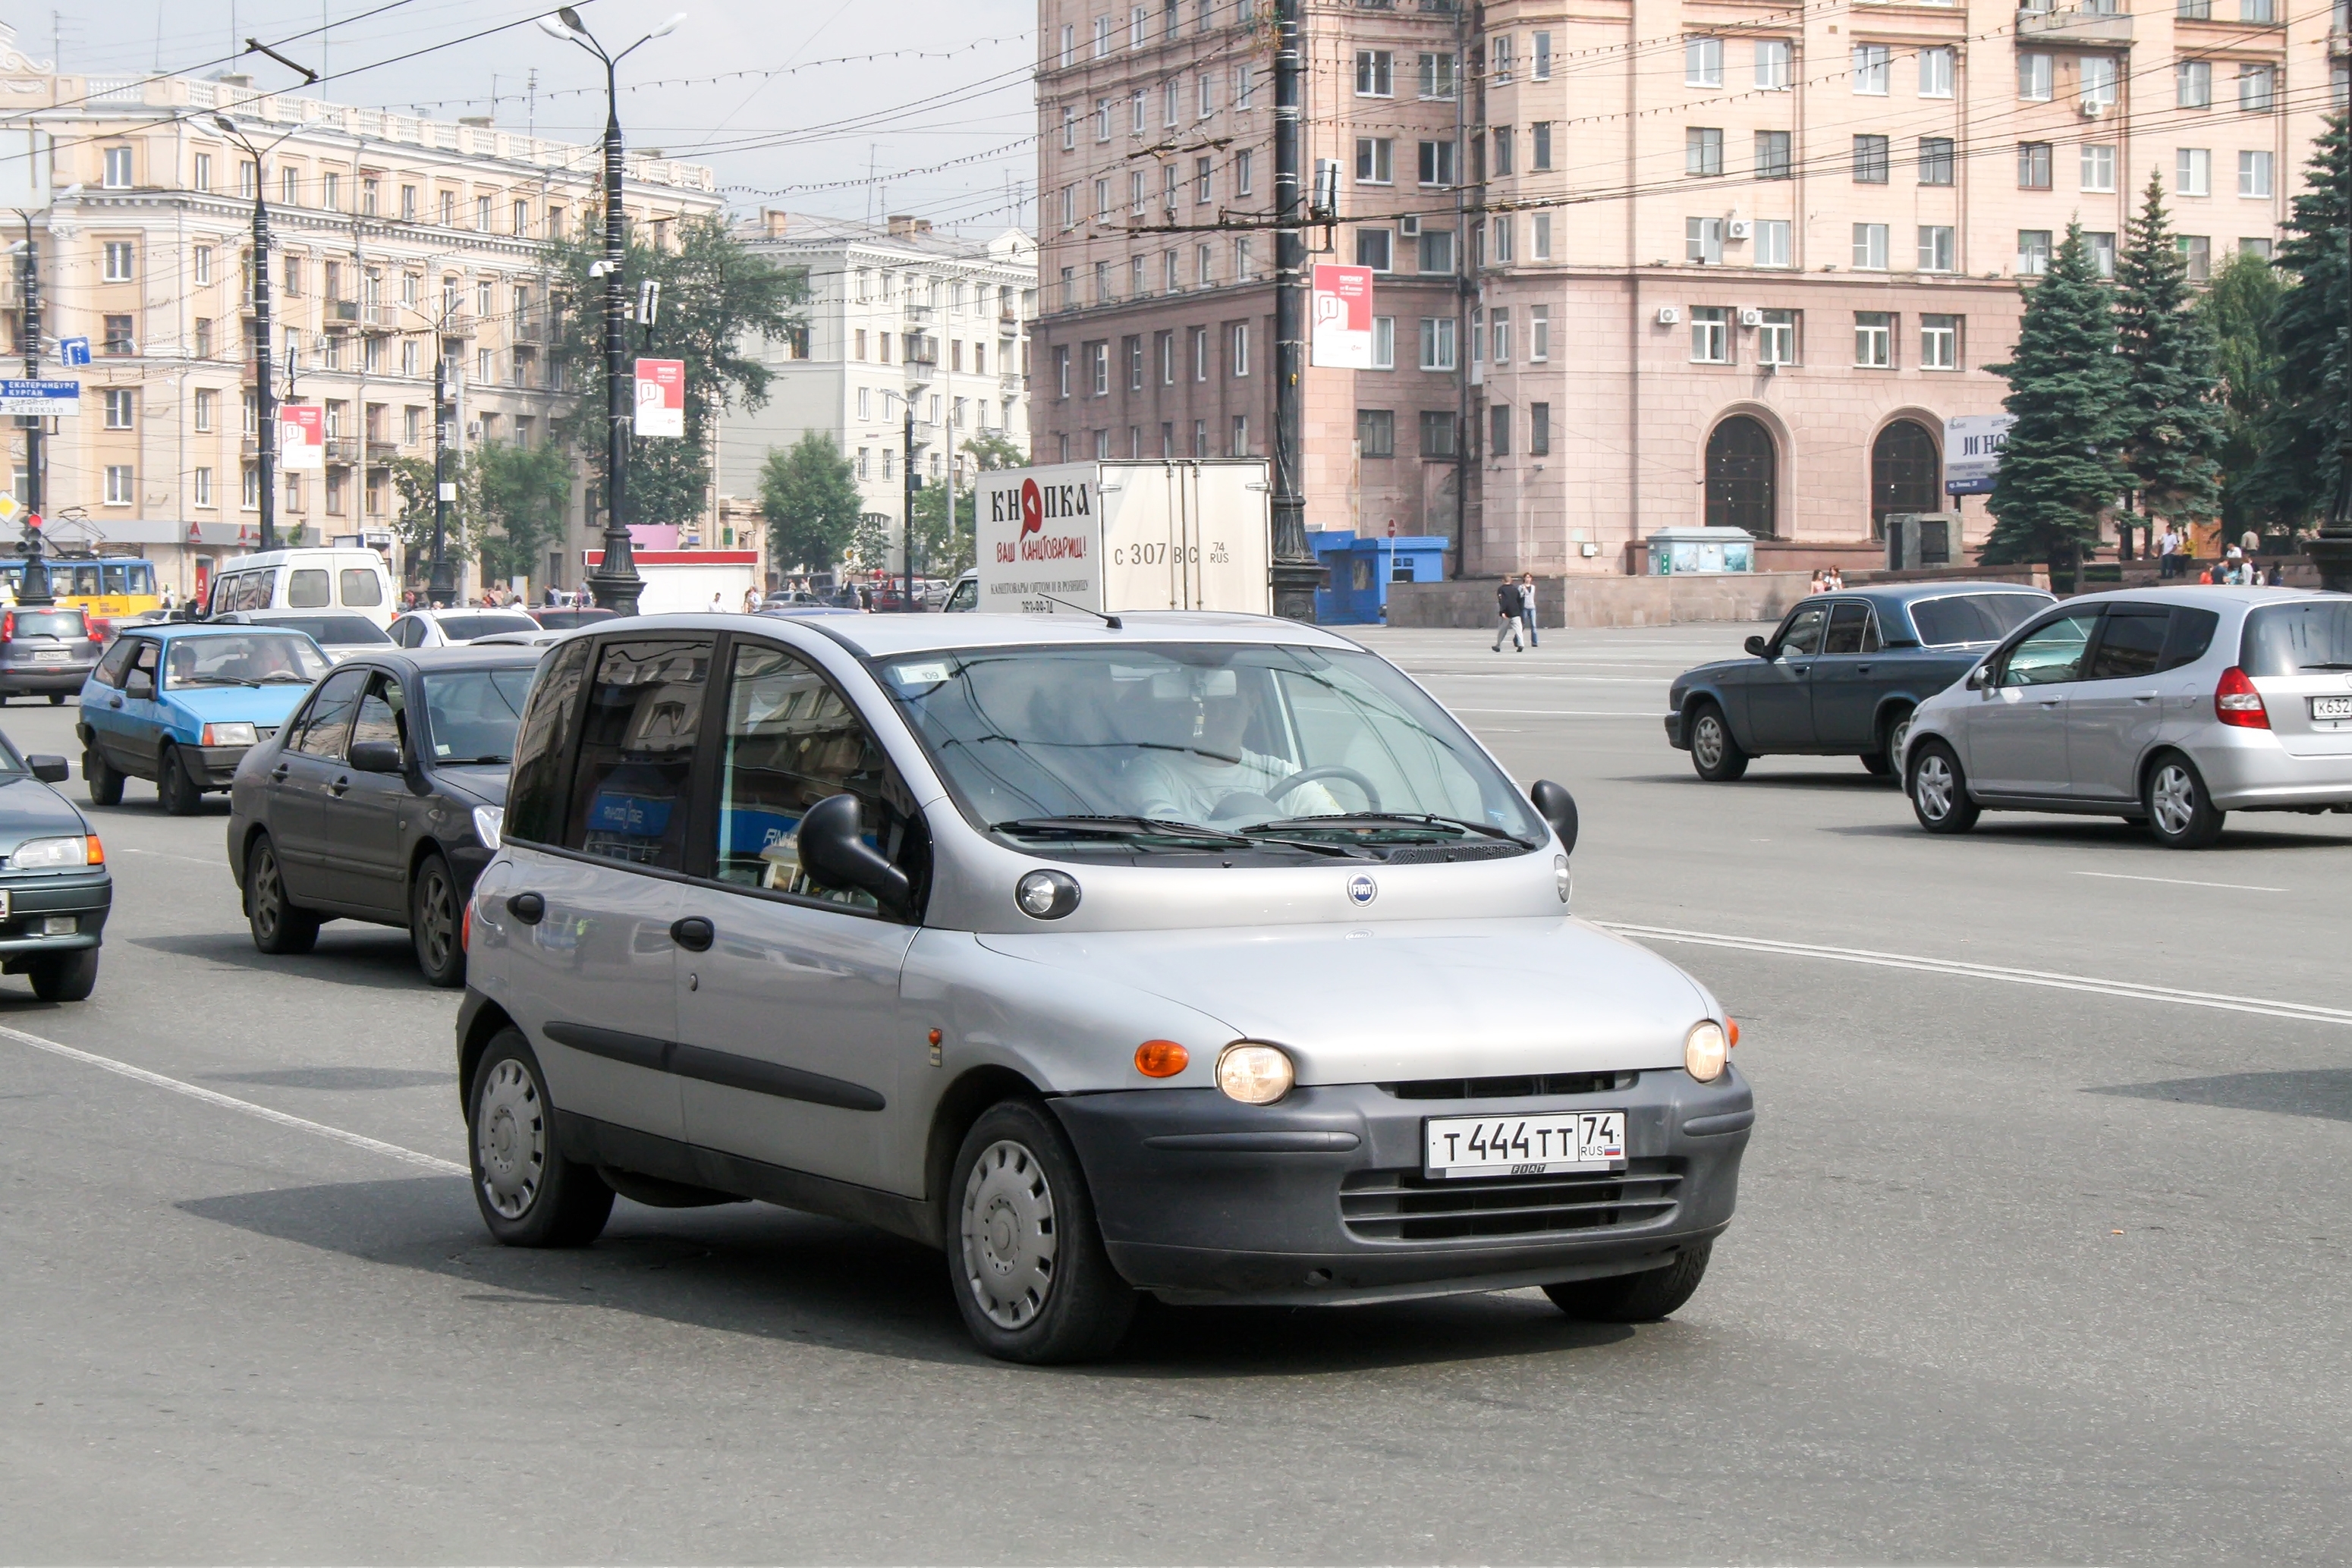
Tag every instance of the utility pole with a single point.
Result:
(441, 587)
(35, 594)
(914, 486)
(1294, 574)
(264, 393)
(2331, 550)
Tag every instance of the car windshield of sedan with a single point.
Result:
(472, 713)
(1173, 747)
(1973, 617)
(242, 659)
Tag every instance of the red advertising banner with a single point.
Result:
(661, 398)
(1341, 315)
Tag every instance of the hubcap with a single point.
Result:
(265, 893)
(1895, 742)
(1932, 785)
(1009, 1238)
(435, 926)
(1707, 741)
(2172, 800)
(511, 1139)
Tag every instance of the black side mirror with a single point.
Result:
(834, 853)
(1758, 646)
(48, 769)
(376, 757)
(140, 684)
(1558, 806)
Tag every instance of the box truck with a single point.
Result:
(1116, 535)
(678, 581)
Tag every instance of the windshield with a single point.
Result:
(1231, 738)
(242, 659)
(47, 623)
(2288, 639)
(1973, 617)
(472, 713)
(334, 631)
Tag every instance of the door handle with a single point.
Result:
(2143, 696)
(1862, 669)
(278, 774)
(527, 907)
(694, 934)
(339, 786)
(2046, 706)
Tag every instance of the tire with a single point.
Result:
(1939, 791)
(434, 914)
(57, 699)
(1714, 755)
(278, 926)
(173, 788)
(1024, 1257)
(1875, 763)
(2180, 814)
(1642, 1297)
(1889, 763)
(105, 784)
(530, 1195)
(65, 976)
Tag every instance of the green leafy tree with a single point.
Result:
(869, 543)
(717, 298)
(2239, 311)
(412, 482)
(514, 496)
(2059, 469)
(2297, 471)
(808, 493)
(2172, 435)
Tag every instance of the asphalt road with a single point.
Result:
(2041, 1252)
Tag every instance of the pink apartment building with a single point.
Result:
(1727, 262)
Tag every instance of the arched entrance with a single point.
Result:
(1907, 473)
(1739, 466)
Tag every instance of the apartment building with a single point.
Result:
(897, 314)
(390, 235)
(1155, 335)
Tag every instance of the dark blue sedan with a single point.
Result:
(1840, 674)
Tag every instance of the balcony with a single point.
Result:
(342, 449)
(339, 315)
(2093, 29)
(381, 452)
(380, 319)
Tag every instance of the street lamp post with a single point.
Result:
(615, 582)
(2331, 550)
(1294, 572)
(265, 460)
(35, 594)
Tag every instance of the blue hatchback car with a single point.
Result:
(182, 704)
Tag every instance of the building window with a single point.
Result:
(1539, 430)
(1375, 160)
(200, 487)
(120, 401)
(1541, 67)
(2257, 87)
(1774, 57)
(1134, 352)
(2098, 80)
(1703, 241)
(2192, 172)
(122, 489)
(1438, 78)
(1240, 447)
(2196, 257)
(1503, 229)
(2192, 84)
(1775, 339)
(1375, 73)
(1873, 339)
(1874, 69)
(2193, 10)
(1499, 430)
(1935, 73)
(1202, 174)
(2102, 251)
(1935, 247)
(1771, 243)
(1199, 353)
(1437, 347)
(2265, 10)
(2261, 248)
(1437, 251)
(1870, 160)
(201, 179)
(1538, 333)
(330, 191)
(118, 336)
(2033, 165)
(1098, 370)
(2033, 252)
(1703, 150)
(1437, 431)
(1503, 143)
(200, 264)
(1501, 323)
(1376, 432)
(1772, 154)
(1540, 235)
(1870, 247)
(1500, 71)
(2099, 166)
(205, 399)
(2036, 76)
(117, 169)
(1061, 371)
(1375, 249)
(2253, 173)
(1540, 145)
(1383, 342)
(1940, 342)
(1935, 160)
(1711, 335)
(408, 203)
(1437, 164)
(1703, 62)
(1239, 345)
(118, 262)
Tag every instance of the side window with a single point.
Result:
(306, 589)
(328, 722)
(2192, 634)
(1870, 640)
(253, 590)
(636, 750)
(2050, 652)
(408, 631)
(2131, 642)
(117, 663)
(542, 778)
(381, 715)
(363, 588)
(1848, 622)
(1802, 634)
(792, 740)
(149, 661)
(224, 596)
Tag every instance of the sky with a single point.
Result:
(785, 99)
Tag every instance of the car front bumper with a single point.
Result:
(212, 767)
(1320, 1198)
(2249, 770)
(1675, 736)
(85, 898)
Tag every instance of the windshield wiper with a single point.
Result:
(1121, 827)
(1373, 819)
(2300, 668)
(213, 680)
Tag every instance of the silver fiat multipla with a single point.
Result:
(1199, 955)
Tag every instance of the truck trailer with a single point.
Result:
(1125, 535)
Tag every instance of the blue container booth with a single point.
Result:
(1357, 572)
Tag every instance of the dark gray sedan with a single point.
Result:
(54, 892)
(381, 800)
(1840, 674)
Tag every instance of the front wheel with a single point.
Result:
(1642, 1297)
(433, 918)
(278, 925)
(174, 785)
(530, 1195)
(1939, 791)
(1714, 755)
(1024, 1257)
(2180, 814)
(65, 976)
(105, 784)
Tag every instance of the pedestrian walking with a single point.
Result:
(1527, 606)
(1507, 606)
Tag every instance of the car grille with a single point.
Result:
(1436, 854)
(1516, 1088)
(1405, 1205)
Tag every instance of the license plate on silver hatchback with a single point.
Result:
(51, 655)
(2331, 707)
(1538, 1145)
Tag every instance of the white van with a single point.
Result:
(352, 579)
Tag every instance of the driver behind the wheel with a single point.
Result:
(1203, 773)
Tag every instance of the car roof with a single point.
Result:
(463, 609)
(463, 656)
(887, 636)
(1913, 593)
(2209, 595)
(174, 629)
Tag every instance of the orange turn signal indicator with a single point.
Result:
(1161, 1058)
(97, 855)
(1731, 1030)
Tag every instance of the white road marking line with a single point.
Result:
(2182, 882)
(2267, 1007)
(356, 1140)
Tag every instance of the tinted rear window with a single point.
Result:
(465, 628)
(565, 620)
(333, 631)
(51, 624)
(2288, 639)
(1973, 617)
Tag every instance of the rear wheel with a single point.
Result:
(174, 787)
(1714, 754)
(1024, 1257)
(278, 925)
(1889, 763)
(2179, 812)
(105, 784)
(433, 915)
(530, 1195)
(65, 976)
(57, 699)
(1641, 1298)
(1939, 791)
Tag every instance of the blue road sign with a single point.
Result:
(73, 351)
(53, 400)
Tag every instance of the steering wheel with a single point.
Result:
(1310, 775)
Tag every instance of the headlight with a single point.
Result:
(51, 854)
(487, 822)
(228, 734)
(1705, 1051)
(1047, 895)
(1255, 1074)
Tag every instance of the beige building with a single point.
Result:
(388, 232)
(1727, 261)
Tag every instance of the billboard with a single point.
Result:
(1038, 532)
(1972, 445)
(1341, 314)
(661, 398)
(301, 436)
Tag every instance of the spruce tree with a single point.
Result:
(2059, 469)
(2172, 435)
(2297, 471)
(2239, 310)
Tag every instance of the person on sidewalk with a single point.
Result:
(1506, 606)
(1528, 607)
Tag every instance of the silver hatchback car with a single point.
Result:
(1198, 955)
(2168, 706)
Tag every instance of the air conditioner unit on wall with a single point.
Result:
(1737, 228)
(1751, 318)
(2091, 109)
(1669, 314)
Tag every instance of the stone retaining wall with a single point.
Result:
(1606, 600)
